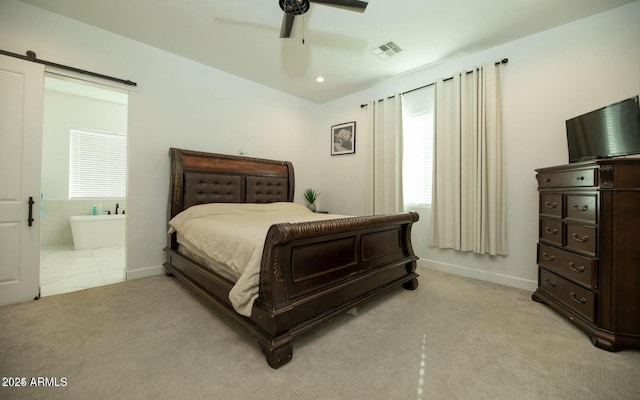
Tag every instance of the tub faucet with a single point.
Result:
(117, 206)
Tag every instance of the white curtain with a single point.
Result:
(469, 207)
(385, 166)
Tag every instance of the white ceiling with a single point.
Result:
(242, 36)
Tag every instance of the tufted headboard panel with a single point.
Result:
(200, 178)
(266, 189)
(202, 188)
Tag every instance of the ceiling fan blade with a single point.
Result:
(287, 24)
(351, 5)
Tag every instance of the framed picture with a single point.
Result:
(343, 138)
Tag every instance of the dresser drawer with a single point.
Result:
(551, 231)
(569, 265)
(568, 179)
(573, 296)
(581, 239)
(582, 207)
(551, 204)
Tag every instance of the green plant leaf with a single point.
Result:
(311, 195)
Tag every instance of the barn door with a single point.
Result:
(21, 111)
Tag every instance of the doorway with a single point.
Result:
(101, 111)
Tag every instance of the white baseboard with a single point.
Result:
(493, 277)
(145, 272)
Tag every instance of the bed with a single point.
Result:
(307, 271)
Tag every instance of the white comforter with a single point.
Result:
(234, 235)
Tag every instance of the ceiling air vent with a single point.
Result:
(387, 50)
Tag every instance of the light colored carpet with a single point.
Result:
(452, 338)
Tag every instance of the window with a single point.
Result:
(98, 165)
(417, 139)
(418, 158)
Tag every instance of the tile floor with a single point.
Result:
(64, 269)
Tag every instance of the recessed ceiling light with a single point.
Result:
(320, 79)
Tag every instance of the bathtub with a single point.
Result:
(97, 231)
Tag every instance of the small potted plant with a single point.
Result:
(311, 195)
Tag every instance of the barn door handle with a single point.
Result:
(31, 203)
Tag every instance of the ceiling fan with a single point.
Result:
(292, 8)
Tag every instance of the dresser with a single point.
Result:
(588, 251)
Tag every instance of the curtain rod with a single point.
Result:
(31, 56)
(503, 61)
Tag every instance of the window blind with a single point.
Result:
(418, 158)
(98, 165)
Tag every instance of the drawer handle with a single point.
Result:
(547, 180)
(548, 257)
(551, 231)
(583, 209)
(552, 284)
(572, 266)
(580, 178)
(575, 298)
(551, 205)
(577, 238)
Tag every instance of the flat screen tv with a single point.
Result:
(610, 131)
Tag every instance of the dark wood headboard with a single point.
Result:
(201, 178)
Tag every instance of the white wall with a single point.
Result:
(178, 103)
(550, 77)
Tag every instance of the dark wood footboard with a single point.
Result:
(311, 271)
(306, 264)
